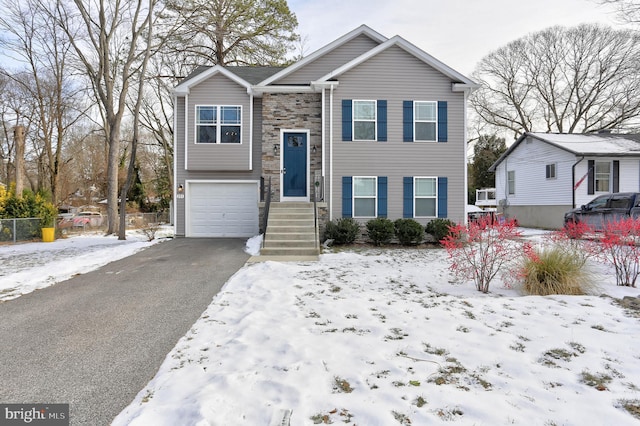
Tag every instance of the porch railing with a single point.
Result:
(315, 216)
(265, 216)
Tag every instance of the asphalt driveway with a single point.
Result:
(96, 340)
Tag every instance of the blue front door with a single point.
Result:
(294, 161)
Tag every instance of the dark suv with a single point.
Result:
(606, 208)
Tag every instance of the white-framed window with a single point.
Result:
(365, 196)
(425, 196)
(511, 182)
(603, 176)
(550, 171)
(425, 121)
(218, 123)
(364, 120)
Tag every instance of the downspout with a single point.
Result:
(175, 168)
(573, 182)
(186, 130)
(324, 130)
(466, 160)
(251, 131)
(331, 154)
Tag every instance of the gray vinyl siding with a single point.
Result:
(395, 76)
(330, 61)
(218, 90)
(183, 175)
(178, 164)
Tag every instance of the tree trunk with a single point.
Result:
(112, 177)
(18, 135)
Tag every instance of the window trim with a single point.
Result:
(551, 171)
(595, 177)
(511, 182)
(434, 197)
(354, 196)
(375, 120)
(415, 121)
(218, 124)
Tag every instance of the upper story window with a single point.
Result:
(218, 124)
(425, 121)
(550, 171)
(364, 120)
(603, 176)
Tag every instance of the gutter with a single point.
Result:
(573, 182)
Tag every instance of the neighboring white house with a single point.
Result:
(543, 175)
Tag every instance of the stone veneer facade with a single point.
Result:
(300, 111)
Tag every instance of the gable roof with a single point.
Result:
(260, 77)
(244, 76)
(361, 30)
(411, 49)
(583, 144)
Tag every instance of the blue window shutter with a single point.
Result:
(382, 196)
(407, 121)
(442, 121)
(442, 197)
(407, 197)
(382, 121)
(347, 116)
(616, 176)
(347, 191)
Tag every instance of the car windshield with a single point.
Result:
(598, 202)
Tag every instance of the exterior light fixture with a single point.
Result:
(276, 148)
(180, 189)
(314, 150)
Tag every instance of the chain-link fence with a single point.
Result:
(21, 230)
(14, 230)
(97, 223)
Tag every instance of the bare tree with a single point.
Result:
(628, 10)
(571, 80)
(230, 32)
(108, 38)
(136, 124)
(30, 33)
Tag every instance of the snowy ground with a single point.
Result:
(26, 267)
(383, 337)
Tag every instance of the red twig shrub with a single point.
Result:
(478, 251)
(569, 239)
(619, 247)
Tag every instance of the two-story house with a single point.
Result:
(369, 126)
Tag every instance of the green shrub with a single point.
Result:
(555, 271)
(408, 231)
(29, 205)
(343, 231)
(380, 230)
(439, 228)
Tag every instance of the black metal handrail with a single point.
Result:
(265, 217)
(315, 218)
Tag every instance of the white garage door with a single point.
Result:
(222, 209)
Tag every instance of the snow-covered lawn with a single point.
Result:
(373, 337)
(382, 337)
(27, 267)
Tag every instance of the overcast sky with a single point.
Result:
(457, 32)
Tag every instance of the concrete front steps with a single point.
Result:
(291, 233)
